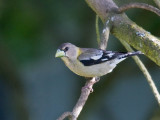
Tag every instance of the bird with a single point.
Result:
(91, 62)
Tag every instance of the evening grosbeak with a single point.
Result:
(90, 62)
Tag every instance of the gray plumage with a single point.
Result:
(90, 62)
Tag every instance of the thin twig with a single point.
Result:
(145, 72)
(157, 3)
(97, 29)
(139, 5)
(86, 90)
(105, 35)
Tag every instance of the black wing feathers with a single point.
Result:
(106, 56)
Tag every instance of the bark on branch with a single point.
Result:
(139, 5)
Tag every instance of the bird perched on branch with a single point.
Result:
(90, 62)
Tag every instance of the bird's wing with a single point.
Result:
(96, 56)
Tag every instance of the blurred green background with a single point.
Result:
(34, 85)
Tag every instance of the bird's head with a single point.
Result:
(67, 50)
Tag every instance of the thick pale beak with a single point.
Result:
(60, 53)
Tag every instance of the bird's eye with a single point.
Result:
(66, 49)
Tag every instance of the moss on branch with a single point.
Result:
(125, 29)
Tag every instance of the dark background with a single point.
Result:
(34, 85)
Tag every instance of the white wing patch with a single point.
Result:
(110, 54)
(86, 58)
(96, 57)
(104, 59)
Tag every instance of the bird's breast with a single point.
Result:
(89, 71)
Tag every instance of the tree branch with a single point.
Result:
(86, 90)
(124, 29)
(123, 8)
(105, 35)
(102, 7)
(127, 31)
(139, 5)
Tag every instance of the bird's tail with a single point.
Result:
(128, 54)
